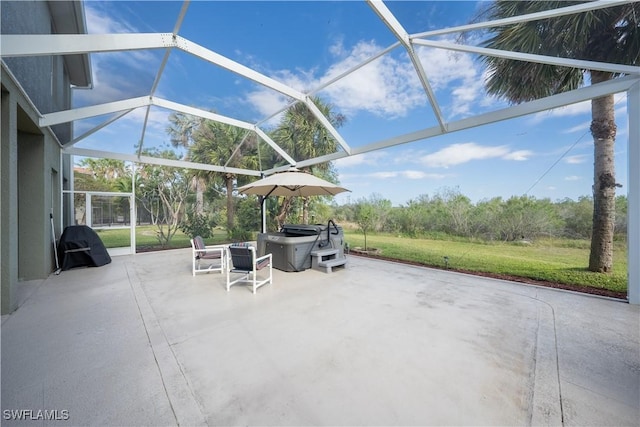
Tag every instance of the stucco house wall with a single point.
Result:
(32, 169)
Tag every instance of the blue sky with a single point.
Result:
(302, 44)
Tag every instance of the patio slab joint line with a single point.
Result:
(182, 400)
(547, 385)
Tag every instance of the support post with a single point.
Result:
(263, 213)
(133, 210)
(633, 195)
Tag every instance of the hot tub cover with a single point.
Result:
(80, 246)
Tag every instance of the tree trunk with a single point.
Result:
(305, 210)
(285, 207)
(199, 196)
(228, 178)
(603, 129)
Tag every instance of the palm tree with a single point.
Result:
(605, 35)
(304, 137)
(105, 169)
(221, 144)
(181, 129)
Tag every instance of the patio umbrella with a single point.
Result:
(291, 184)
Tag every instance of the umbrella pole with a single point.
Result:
(263, 214)
(263, 211)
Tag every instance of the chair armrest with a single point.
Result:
(208, 249)
(223, 247)
(263, 257)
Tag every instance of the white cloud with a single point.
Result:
(407, 156)
(383, 174)
(456, 154)
(388, 86)
(99, 22)
(370, 159)
(408, 174)
(459, 75)
(577, 159)
(582, 127)
(385, 87)
(464, 97)
(581, 108)
(422, 175)
(266, 101)
(572, 178)
(109, 68)
(519, 155)
(443, 66)
(567, 111)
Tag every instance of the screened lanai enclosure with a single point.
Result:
(125, 112)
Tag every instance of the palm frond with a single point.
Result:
(605, 35)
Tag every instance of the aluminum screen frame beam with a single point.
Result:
(586, 93)
(19, 45)
(66, 116)
(633, 195)
(85, 152)
(97, 128)
(529, 57)
(325, 122)
(403, 37)
(551, 13)
(163, 64)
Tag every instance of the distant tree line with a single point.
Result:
(171, 200)
(450, 212)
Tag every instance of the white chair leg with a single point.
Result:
(255, 279)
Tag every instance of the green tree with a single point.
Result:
(621, 216)
(604, 35)
(162, 191)
(366, 217)
(577, 217)
(196, 224)
(221, 144)
(106, 169)
(181, 128)
(248, 218)
(486, 218)
(382, 208)
(101, 175)
(304, 137)
(526, 217)
(407, 218)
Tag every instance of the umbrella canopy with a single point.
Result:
(291, 184)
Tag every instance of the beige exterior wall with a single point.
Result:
(31, 187)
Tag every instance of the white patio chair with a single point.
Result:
(207, 258)
(243, 260)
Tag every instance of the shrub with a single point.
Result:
(238, 234)
(196, 224)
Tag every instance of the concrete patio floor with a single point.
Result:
(142, 342)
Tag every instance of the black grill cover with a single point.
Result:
(80, 246)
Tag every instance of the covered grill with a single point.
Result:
(80, 246)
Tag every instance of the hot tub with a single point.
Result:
(291, 247)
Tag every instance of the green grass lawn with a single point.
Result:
(146, 238)
(551, 260)
(559, 261)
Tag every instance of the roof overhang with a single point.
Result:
(68, 18)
